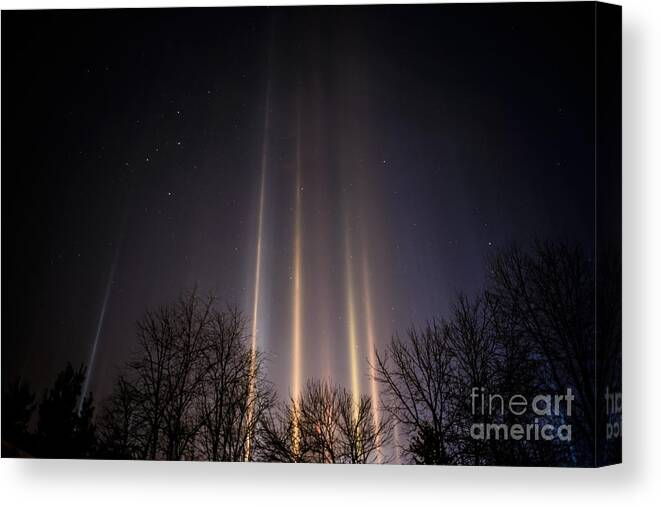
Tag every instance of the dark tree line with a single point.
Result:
(531, 331)
(65, 428)
(193, 389)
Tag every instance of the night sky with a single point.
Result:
(387, 150)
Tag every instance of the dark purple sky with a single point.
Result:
(131, 164)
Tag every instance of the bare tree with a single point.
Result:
(491, 355)
(360, 436)
(547, 296)
(120, 434)
(417, 376)
(186, 392)
(475, 349)
(325, 425)
(530, 333)
(227, 408)
(166, 374)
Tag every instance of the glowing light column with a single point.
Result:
(297, 292)
(371, 344)
(99, 328)
(258, 268)
(351, 325)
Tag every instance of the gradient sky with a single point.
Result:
(133, 145)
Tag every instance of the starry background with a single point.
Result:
(131, 156)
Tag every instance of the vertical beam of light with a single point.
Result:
(351, 324)
(258, 267)
(297, 289)
(260, 226)
(99, 328)
(371, 345)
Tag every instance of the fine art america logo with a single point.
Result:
(549, 414)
